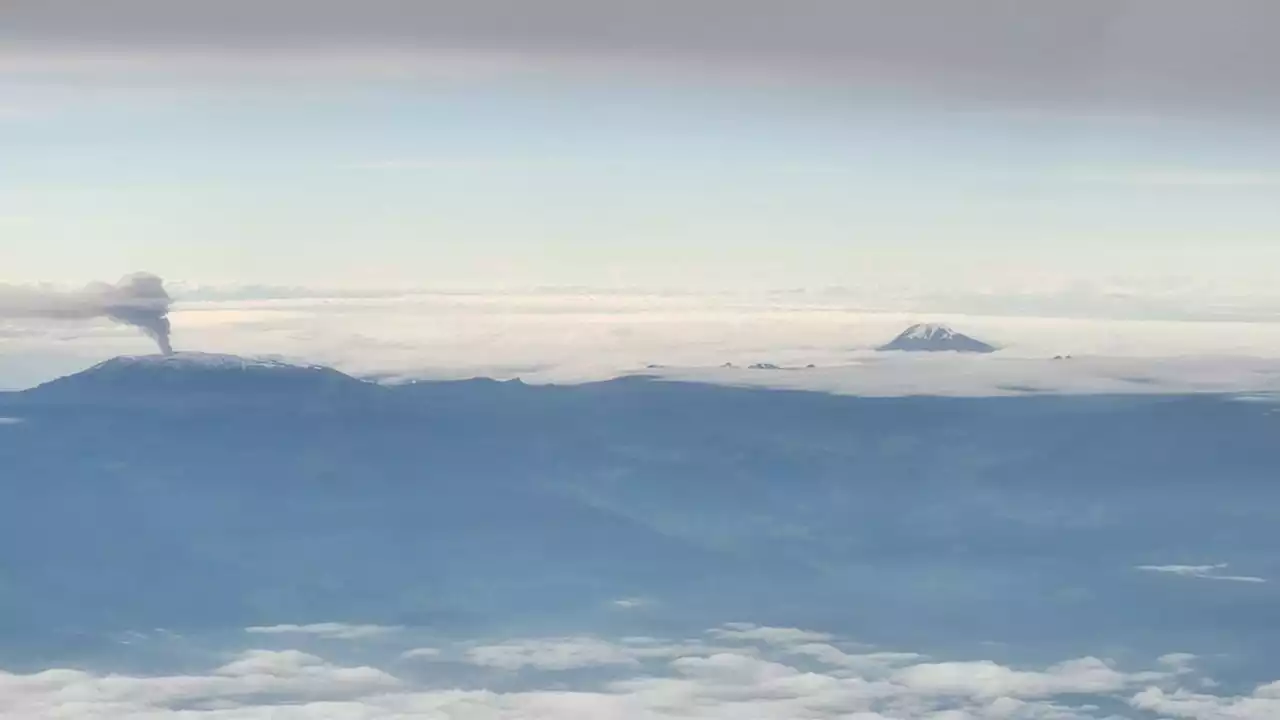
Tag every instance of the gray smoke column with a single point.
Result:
(139, 300)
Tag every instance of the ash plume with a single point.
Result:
(139, 300)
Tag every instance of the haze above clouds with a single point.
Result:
(694, 145)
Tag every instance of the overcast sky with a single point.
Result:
(704, 143)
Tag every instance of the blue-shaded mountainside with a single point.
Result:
(201, 496)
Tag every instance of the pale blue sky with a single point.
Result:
(237, 167)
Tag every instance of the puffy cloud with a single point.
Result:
(1270, 691)
(1262, 704)
(760, 675)
(253, 674)
(867, 663)
(328, 630)
(990, 680)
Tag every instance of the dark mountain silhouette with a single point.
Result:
(262, 494)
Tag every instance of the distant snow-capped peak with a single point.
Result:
(934, 337)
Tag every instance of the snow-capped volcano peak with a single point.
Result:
(934, 337)
(929, 331)
(188, 376)
(194, 361)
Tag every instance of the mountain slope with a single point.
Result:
(479, 504)
(201, 379)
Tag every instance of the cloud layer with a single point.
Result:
(1169, 55)
(568, 336)
(736, 671)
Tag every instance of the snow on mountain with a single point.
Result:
(929, 331)
(196, 361)
(191, 375)
(934, 337)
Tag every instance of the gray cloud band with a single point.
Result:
(1162, 55)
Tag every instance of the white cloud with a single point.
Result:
(1203, 572)
(270, 662)
(422, 653)
(10, 420)
(988, 679)
(328, 630)
(1271, 691)
(290, 673)
(1262, 704)
(632, 603)
(567, 336)
(766, 674)
(876, 663)
(769, 635)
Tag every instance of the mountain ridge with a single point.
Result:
(181, 377)
(216, 505)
